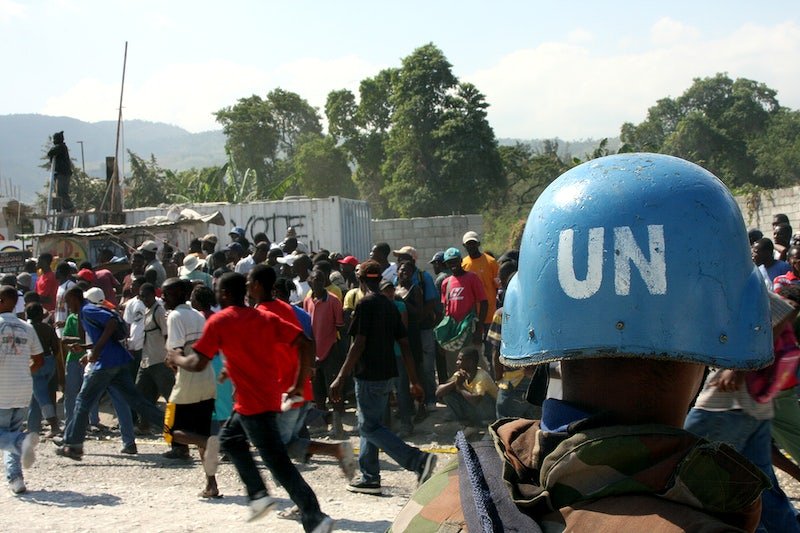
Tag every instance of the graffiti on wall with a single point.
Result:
(274, 226)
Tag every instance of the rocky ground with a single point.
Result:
(108, 491)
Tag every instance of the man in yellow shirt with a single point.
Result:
(487, 269)
(471, 392)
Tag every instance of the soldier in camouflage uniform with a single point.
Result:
(635, 274)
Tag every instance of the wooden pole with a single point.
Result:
(116, 192)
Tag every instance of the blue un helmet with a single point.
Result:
(637, 255)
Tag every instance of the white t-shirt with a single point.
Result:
(184, 327)
(18, 341)
(301, 288)
(134, 316)
(62, 312)
(245, 265)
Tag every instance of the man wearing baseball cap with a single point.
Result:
(487, 269)
(149, 249)
(427, 321)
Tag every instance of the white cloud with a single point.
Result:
(187, 94)
(571, 91)
(10, 10)
(579, 35)
(566, 89)
(668, 31)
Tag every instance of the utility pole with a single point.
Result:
(83, 161)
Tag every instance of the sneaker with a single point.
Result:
(76, 454)
(325, 525)
(426, 468)
(261, 507)
(28, 452)
(365, 487)
(130, 449)
(211, 458)
(17, 485)
(348, 461)
(177, 453)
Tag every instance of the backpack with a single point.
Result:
(122, 330)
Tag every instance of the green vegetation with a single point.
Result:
(415, 141)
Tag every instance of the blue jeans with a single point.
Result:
(262, 431)
(477, 415)
(41, 406)
(73, 380)
(405, 404)
(512, 402)
(751, 438)
(290, 424)
(94, 384)
(11, 437)
(372, 398)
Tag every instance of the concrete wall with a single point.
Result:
(427, 235)
(758, 209)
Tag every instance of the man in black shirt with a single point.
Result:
(375, 327)
(62, 171)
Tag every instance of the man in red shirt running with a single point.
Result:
(247, 337)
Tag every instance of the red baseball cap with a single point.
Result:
(349, 260)
(87, 275)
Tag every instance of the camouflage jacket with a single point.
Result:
(599, 477)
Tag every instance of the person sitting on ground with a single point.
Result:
(633, 335)
(471, 392)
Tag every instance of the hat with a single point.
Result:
(190, 264)
(95, 295)
(236, 230)
(438, 257)
(210, 238)
(406, 250)
(148, 246)
(451, 253)
(288, 259)
(470, 236)
(87, 275)
(235, 246)
(349, 260)
(24, 280)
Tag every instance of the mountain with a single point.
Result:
(579, 148)
(23, 138)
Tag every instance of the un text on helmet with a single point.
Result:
(626, 251)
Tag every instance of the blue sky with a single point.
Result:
(568, 69)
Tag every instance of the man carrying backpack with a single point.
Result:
(109, 367)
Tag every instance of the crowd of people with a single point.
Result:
(263, 344)
(250, 344)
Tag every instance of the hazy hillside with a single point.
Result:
(22, 138)
(577, 148)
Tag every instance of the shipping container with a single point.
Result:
(333, 223)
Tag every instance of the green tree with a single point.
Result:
(321, 169)
(262, 135)
(147, 184)
(362, 129)
(441, 154)
(716, 123)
